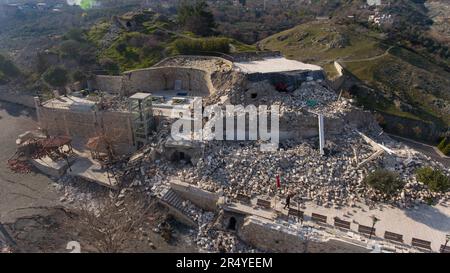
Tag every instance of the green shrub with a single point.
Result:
(3, 78)
(8, 68)
(121, 47)
(78, 76)
(70, 49)
(384, 181)
(202, 46)
(446, 150)
(436, 180)
(110, 66)
(196, 17)
(442, 144)
(56, 76)
(75, 34)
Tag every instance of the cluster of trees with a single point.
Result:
(76, 46)
(196, 17)
(8, 70)
(56, 76)
(389, 183)
(203, 46)
(436, 180)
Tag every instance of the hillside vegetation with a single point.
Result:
(407, 84)
(8, 70)
(152, 38)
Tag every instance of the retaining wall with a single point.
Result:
(266, 235)
(109, 84)
(203, 199)
(195, 81)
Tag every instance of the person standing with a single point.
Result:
(288, 200)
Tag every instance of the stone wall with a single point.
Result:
(203, 199)
(268, 236)
(195, 81)
(109, 84)
(84, 125)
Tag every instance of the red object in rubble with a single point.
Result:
(19, 166)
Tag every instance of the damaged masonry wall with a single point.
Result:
(86, 124)
(273, 237)
(195, 81)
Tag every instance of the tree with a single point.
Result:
(8, 68)
(115, 223)
(202, 46)
(56, 76)
(75, 34)
(70, 49)
(436, 180)
(110, 66)
(384, 181)
(196, 17)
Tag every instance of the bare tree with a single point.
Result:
(114, 223)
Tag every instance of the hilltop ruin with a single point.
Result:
(128, 118)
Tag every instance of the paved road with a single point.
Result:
(423, 148)
(20, 194)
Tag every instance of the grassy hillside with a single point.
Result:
(152, 38)
(407, 84)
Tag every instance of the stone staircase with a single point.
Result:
(175, 202)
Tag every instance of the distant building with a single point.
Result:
(374, 2)
(381, 19)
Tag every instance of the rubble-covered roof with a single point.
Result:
(70, 103)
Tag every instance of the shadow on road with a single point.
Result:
(17, 110)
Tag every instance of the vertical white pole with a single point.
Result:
(321, 135)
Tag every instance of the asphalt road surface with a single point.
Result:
(423, 148)
(20, 194)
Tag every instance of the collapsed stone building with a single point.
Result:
(234, 180)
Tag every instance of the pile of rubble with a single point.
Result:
(113, 103)
(4, 249)
(311, 96)
(80, 194)
(332, 181)
(212, 240)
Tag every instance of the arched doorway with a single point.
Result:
(232, 224)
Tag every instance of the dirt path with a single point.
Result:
(369, 59)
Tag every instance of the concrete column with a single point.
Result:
(37, 104)
(321, 134)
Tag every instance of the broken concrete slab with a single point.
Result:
(52, 168)
(92, 171)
